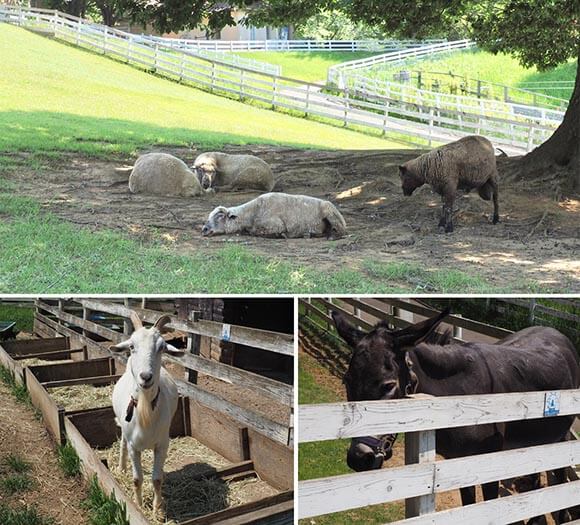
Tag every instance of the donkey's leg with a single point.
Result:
(159, 456)
(137, 473)
(467, 495)
(123, 454)
(490, 490)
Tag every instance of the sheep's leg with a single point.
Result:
(442, 216)
(137, 473)
(123, 454)
(159, 456)
(447, 216)
(495, 202)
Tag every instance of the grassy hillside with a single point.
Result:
(310, 66)
(501, 69)
(54, 97)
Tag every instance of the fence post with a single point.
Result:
(307, 100)
(182, 66)
(193, 347)
(126, 322)
(78, 32)
(242, 72)
(213, 66)
(346, 106)
(420, 448)
(105, 40)
(274, 92)
(156, 57)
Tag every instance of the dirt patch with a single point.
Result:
(536, 240)
(53, 495)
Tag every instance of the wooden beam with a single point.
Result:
(52, 414)
(49, 356)
(97, 380)
(33, 346)
(349, 491)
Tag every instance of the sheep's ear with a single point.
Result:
(402, 169)
(232, 216)
(171, 350)
(121, 347)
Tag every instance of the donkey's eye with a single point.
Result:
(387, 387)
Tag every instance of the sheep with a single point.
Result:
(163, 174)
(233, 172)
(144, 401)
(278, 215)
(465, 164)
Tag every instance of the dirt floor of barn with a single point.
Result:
(52, 494)
(536, 241)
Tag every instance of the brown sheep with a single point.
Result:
(466, 164)
(278, 215)
(163, 174)
(242, 172)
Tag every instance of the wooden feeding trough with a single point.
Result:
(235, 459)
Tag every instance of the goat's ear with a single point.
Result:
(161, 322)
(414, 334)
(351, 334)
(121, 347)
(171, 350)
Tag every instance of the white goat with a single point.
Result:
(144, 401)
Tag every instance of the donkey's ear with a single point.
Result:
(121, 347)
(414, 334)
(351, 334)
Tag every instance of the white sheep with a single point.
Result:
(163, 174)
(215, 169)
(278, 215)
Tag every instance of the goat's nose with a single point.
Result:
(146, 376)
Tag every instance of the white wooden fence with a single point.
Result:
(420, 416)
(415, 123)
(296, 45)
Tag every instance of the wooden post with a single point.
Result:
(420, 448)
(193, 347)
(126, 322)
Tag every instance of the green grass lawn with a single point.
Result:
(310, 66)
(54, 97)
(501, 69)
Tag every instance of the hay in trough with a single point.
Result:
(82, 397)
(35, 361)
(185, 494)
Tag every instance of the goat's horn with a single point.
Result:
(162, 321)
(135, 320)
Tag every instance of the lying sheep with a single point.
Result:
(466, 164)
(278, 215)
(163, 174)
(242, 172)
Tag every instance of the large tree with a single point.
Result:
(541, 33)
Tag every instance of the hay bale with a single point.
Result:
(82, 397)
(185, 495)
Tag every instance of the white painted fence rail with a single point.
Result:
(417, 483)
(410, 122)
(297, 45)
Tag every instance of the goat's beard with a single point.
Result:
(144, 408)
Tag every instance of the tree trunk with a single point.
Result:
(562, 149)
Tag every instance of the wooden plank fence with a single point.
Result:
(415, 123)
(419, 416)
(82, 329)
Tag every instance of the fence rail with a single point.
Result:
(420, 416)
(72, 325)
(295, 45)
(412, 122)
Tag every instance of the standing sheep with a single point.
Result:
(163, 174)
(278, 215)
(466, 164)
(241, 172)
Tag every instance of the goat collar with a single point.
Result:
(133, 403)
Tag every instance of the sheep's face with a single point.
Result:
(205, 172)
(217, 221)
(409, 181)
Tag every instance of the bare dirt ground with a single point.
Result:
(53, 495)
(537, 240)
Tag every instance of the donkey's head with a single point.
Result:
(381, 369)
(146, 347)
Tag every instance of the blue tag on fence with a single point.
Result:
(226, 332)
(552, 404)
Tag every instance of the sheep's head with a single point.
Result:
(217, 221)
(409, 180)
(205, 169)
(146, 347)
